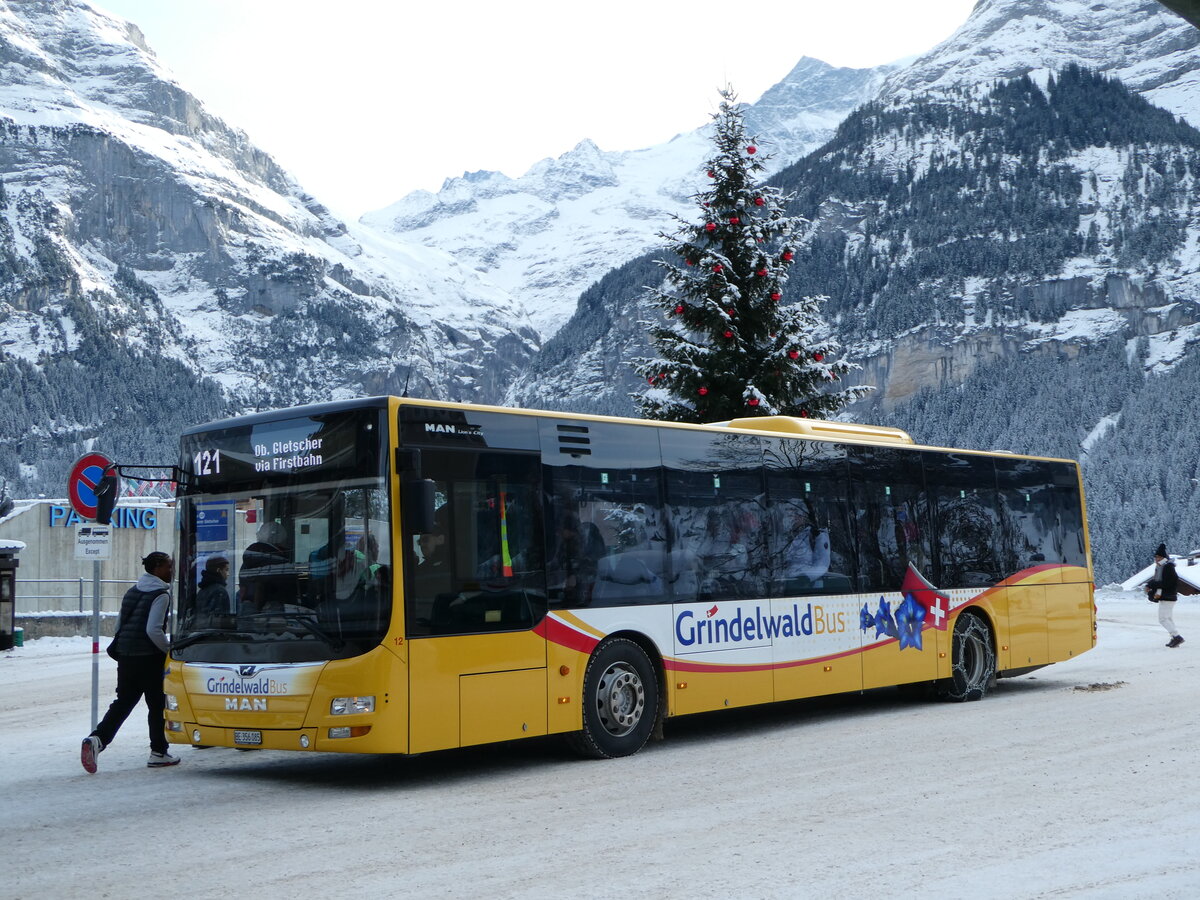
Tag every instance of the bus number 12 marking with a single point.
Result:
(207, 462)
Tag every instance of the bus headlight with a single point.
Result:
(348, 706)
(172, 701)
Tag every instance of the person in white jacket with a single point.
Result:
(141, 650)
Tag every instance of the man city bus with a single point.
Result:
(409, 575)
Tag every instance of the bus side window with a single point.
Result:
(1041, 514)
(966, 516)
(891, 508)
(717, 515)
(607, 534)
(811, 534)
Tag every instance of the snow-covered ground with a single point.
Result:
(1077, 781)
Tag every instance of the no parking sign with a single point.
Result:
(84, 489)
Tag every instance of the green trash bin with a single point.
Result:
(18, 636)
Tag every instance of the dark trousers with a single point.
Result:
(137, 676)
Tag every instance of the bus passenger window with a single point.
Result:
(812, 549)
(717, 515)
(607, 533)
(891, 509)
(966, 515)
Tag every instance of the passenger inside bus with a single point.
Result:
(434, 578)
(268, 577)
(572, 569)
(212, 599)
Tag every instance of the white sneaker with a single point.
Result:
(158, 760)
(91, 748)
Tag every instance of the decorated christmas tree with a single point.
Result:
(730, 345)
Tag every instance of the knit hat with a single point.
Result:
(1161, 552)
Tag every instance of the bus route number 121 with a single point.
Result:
(207, 462)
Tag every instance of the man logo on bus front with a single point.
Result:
(247, 671)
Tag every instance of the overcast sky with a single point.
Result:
(366, 100)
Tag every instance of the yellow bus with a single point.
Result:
(392, 575)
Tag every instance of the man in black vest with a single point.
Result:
(141, 647)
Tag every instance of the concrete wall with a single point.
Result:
(48, 573)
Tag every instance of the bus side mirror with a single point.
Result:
(106, 496)
(417, 497)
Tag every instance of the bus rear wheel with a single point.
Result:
(973, 670)
(620, 701)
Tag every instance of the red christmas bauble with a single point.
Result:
(712, 174)
(775, 295)
(751, 149)
(753, 401)
(728, 334)
(787, 255)
(804, 413)
(678, 309)
(734, 220)
(718, 268)
(650, 380)
(662, 375)
(793, 354)
(761, 273)
(819, 356)
(759, 201)
(689, 262)
(711, 226)
(702, 391)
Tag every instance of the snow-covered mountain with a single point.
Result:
(548, 235)
(145, 240)
(1149, 48)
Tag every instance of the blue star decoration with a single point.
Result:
(910, 616)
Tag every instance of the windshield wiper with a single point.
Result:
(196, 636)
(304, 620)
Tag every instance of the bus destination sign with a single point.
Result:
(340, 443)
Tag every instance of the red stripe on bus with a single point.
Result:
(556, 632)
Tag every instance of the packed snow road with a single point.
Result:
(1079, 780)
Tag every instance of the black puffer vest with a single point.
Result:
(132, 639)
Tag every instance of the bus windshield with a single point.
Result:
(286, 542)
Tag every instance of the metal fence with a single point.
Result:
(70, 593)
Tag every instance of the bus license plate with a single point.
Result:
(247, 737)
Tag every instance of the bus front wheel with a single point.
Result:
(973, 670)
(620, 701)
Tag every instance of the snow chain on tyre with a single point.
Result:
(973, 670)
(620, 701)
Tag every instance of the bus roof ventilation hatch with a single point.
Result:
(823, 428)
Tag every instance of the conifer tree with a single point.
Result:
(730, 346)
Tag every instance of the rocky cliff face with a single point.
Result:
(134, 223)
